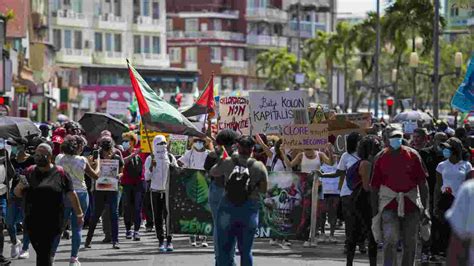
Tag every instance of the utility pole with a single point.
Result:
(298, 26)
(436, 60)
(332, 15)
(376, 61)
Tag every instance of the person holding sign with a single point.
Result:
(157, 169)
(107, 189)
(310, 160)
(76, 167)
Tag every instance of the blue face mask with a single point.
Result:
(395, 143)
(447, 153)
(126, 145)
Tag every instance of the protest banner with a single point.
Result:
(310, 136)
(284, 210)
(270, 111)
(117, 107)
(108, 179)
(146, 140)
(339, 129)
(363, 120)
(234, 114)
(178, 144)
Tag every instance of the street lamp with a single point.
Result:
(414, 62)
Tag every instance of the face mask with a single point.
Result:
(198, 145)
(160, 148)
(447, 153)
(126, 145)
(41, 160)
(395, 143)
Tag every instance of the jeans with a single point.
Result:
(328, 209)
(3, 212)
(15, 216)
(106, 222)
(132, 205)
(404, 228)
(103, 198)
(76, 229)
(160, 214)
(236, 224)
(216, 194)
(147, 210)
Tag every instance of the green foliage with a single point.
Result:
(197, 188)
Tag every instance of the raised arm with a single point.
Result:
(265, 148)
(93, 172)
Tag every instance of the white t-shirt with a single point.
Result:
(330, 185)
(347, 160)
(193, 159)
(279, 164)
(453, 174)
(75, 167)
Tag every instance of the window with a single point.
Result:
(155, 9)
(117, 8)
(217, 25)
(191, 54)
(454, 11)
(67, 39)
(136, 10)
(77, 39)
(229, 54)
(239, 84)
(137, 44)
(156, 45)
(146, 42)
(227, 84)
(108, 42)
(98, 42)
(146, 8)
(203, 26)
(57, 38)
(191, 24)
(217, 81)
(216, 55)
(118, 43)
(76, 5)
(169, 25)
(175, 55)
(240, 54)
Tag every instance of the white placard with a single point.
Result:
(108, 179)
(270, 111)
(117, 107)
(234, 114)
(330, 185)
(409, 127)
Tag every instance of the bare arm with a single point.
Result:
(19, 190)
(296, 161)
(338, 173)
(326, 158)
(425, 196)
(364, 172)
(93, 172)
(265, 148)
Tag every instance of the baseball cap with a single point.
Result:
(395, 133)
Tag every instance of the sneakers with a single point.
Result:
(169, 247)
(66, 235)
(136, 236)
(74, 262)
(106, 240)
(162, 247)
(273, 242)
(286, 243)
(15, 251)
(307, 244)
(115, 246)
(24, 255)
(194, 244)
(332, 239)
(149, 229)
(204, 244)
(128, 235)
(322, 238)
(4, 261)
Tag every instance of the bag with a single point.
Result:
(238, 186)
(134, 167)
(352, 176)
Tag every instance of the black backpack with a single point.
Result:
(238, 186)
(134, 167)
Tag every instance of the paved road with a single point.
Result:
(146, 252)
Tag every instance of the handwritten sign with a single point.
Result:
(234, 114)
(312, 136)
(108, 180)
(146, 140)
(271, 111)
(178, 144)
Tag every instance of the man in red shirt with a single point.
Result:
(399, 169)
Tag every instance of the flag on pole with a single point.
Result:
(205, 104)
(156, 113)
(463, 98)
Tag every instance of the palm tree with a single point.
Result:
(279, 66)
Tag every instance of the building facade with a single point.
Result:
(459, 19)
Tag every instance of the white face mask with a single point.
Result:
(198, 145)
(160, 148)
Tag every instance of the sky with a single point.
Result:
(356, 7)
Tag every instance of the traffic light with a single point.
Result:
(4, 100)
(390, 101)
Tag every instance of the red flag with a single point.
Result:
(205, 104)
(225, 155)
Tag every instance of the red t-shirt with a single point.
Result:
(400, 172)
(126, 179)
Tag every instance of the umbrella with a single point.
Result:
(412, 115)
(62, 118)
(94, 123)
(17, 127)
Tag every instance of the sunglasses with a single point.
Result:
(162, 143)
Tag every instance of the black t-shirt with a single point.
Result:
(44, 201)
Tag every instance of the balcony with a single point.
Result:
(267, 14)
(70, 18)
(147, 59)
(470, 22)
(265, 41)
(74, 56)
(109, 58)
(111, 22)
(307, 28)
(233, 67)
(220, 35)
(148, 24)
(191, 65)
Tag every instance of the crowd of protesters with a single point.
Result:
(405, 182)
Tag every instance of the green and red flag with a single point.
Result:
(205, 104)
(156, 113)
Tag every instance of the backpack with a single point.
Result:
(238, 186)
(134, 167)
(352, 176)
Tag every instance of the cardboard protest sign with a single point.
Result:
(108, 179)
(234, 114)
(339, 130)
(363, 120)
(146, 141)
(178, 144)
(270, 111)
(310, 136)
